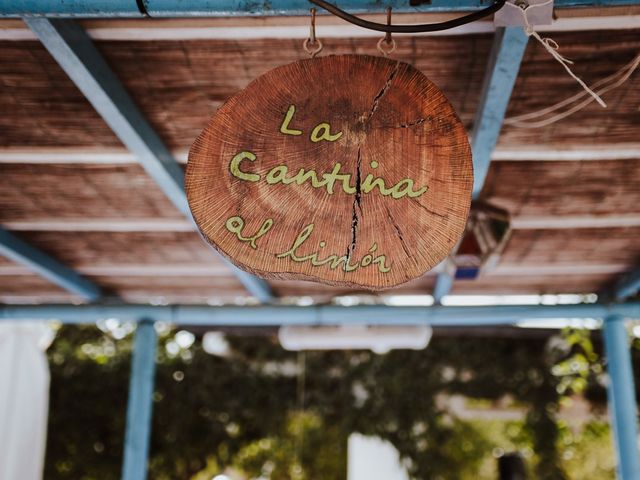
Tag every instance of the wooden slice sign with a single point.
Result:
(347, 170)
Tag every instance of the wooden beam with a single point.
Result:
(104, 156)
(124, 225)
(136, 270)
(19, 251)
(541, 153)
(102, 225)
(74, 51)
(556, 270)
(569, 222)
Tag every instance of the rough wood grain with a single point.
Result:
(350, 170)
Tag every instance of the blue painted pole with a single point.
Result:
(226, 8)
(21, 252)
(628, 286)
(509, 45)
(206, 315)
(140, 405)
(77, 55)
(506, 55)
(622, 400)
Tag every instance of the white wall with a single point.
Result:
(370, 458)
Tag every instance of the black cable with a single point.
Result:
(427, 27)
(142, 8)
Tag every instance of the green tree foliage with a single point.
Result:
(259, 411)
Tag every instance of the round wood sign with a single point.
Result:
(348, 170)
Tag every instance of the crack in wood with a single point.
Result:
(431, 211)
(356, 206)
(419, 121)
(383, 90)
(399, 232)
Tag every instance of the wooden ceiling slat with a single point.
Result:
(528, 188)
(543, 82)
(33, 289)
(72, 191)
(532, 285)
(95, 249)
(584, 247)
(179, 84)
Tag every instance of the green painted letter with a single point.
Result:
(284, 128)
(234, 167)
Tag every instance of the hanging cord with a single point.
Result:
(551, 45)
(427, 27)
(390, 42)
(312, 40)
(601, 87)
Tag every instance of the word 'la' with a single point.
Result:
(322, 131)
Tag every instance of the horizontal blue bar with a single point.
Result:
(224, 8)
(317, 315)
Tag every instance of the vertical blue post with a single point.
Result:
(138, 429)
(622, 398)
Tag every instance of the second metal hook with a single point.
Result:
(312, 40)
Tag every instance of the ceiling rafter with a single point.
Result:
(508, 49)
(76, 54)
(21, 252)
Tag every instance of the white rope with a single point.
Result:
(552, 47)
(602, 86)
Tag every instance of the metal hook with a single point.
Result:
(387, 38)
(312, 40)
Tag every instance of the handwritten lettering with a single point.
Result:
(334, 261)
(236, 225)
(234, 167)
(325, 128)
(284, 128)
(280, 174)
(322, 131)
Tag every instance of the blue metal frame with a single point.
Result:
(210, 8)
(77, 55)
(21, 252)
(506, 56)
(628, 286)
(140, 405)
(75, 52)
(273, 315)
(622, 397)
(509, 45)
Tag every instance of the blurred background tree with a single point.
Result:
(267, 413)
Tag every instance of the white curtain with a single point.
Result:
(24, 398)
